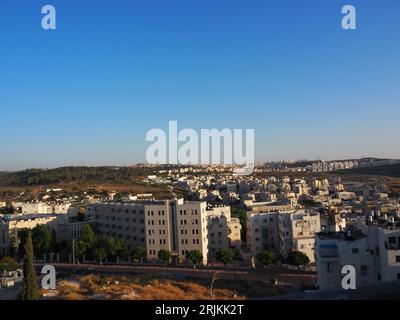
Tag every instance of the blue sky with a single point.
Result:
(87, 92)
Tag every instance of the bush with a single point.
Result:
(225, 256)
(164, 255)
(8, 264)
(297, 258)
(266, 257)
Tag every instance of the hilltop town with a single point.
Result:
(300, 217)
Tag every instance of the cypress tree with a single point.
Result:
(30, 291)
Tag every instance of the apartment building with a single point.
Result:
(10, 225)
(297, 232)
(43, 207)
(68, 226)
(190, 220)
(223, 230)
(372, 247)
(173, 225)
(262, 232)
(282, 232)
(125, 221)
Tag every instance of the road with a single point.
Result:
(10, 293)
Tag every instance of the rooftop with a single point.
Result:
(352, 235)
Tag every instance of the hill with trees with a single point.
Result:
(34, 177)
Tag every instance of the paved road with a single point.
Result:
(10, 293)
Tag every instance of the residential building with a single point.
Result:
(372, 247)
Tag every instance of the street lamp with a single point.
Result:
(212, 284)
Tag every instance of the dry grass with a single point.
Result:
(130, 288)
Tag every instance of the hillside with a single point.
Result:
(392, 170)
(82, 175)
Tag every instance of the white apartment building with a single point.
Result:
(10, 225)
(223, 230)
(282, 232)
(45, 208)
(372, 247)
(123, 221)
(173, 225)
(190, 229)
(297, 232)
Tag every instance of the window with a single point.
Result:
(364, 268)
(354, 250)
(392, 240)
(397, 259)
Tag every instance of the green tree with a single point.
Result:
(138, 254)
(88, 236)
(195, 257)
(119, 248)
(100, 255)
(112, 247)
(14, 244)
(42, 239)
(80, 248)
(22, 236)
(53, 243)
(297, 258)
(29, 291)
(164, 255)
(225, 256)
(8, 264)
(266, 257)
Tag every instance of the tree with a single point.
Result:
(164, 255)
(8, 264)
(195, 257)
(266, 257)
(22, 236)
(80, 248)
(112, 247)
(225, 256)
(119, 248)
(138, 253)
(42, 239)
(100, 254)
(14, 244)
(88, 236)
(297, 258)
(29, 291)
(53, 243)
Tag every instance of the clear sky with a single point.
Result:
(87, 92)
